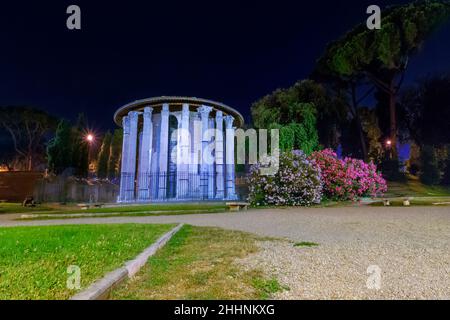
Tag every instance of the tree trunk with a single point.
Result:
(393, 119)
(362, 139)
(30, 163)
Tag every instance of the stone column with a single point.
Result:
(145, 156)
(230, 166)
(220, 187)
(196, 131)
(124, 160)
(183, 154)
(163, 152)
(212, 156)
(131, 155)
(204, 114)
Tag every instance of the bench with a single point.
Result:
(85, 206)
(237, 206)
(407, 201)
(29, 202)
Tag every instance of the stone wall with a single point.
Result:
(17, 185)
(61, 189)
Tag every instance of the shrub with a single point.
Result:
(297, 182)
(347, 179)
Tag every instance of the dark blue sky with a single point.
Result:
(230, 51)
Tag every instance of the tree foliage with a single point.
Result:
(446, 176)
(429, 173)
(302, 113)
(28, 128)
(59, 150)
(369, 121)
(425, 119)
(115, 154)
(381, 56)
(425, 110)
(80, 149)
(404, 29)
(68, 149)
(103, 156)
(300, 136)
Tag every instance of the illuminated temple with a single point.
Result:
(177, 148)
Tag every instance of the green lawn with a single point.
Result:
(418, 193)
(419, 201)
(158, 207)
(305, 244)
(17, 208)
(414, 188)
(200, 263)
(151, 208)
(130, 210)
(112, 215)
(34, 260)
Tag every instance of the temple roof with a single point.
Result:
(157, 102)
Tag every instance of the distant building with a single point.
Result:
(165, 144)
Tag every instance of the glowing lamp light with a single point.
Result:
(389, 143)
(89, 138)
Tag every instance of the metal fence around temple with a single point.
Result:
(162, 187)
(176, 186)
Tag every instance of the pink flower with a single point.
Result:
(348, 179)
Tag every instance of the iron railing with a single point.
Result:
(174, 186)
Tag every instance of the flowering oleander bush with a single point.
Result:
(297, 181)
(348, 179)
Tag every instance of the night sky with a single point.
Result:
(230, 51)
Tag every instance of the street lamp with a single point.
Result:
(389, 147)
(388, 143)
(90, 139)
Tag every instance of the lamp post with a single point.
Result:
(90, 139)
(389, 148)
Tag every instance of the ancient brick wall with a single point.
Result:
(16, 186)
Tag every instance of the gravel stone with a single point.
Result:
(411, 246)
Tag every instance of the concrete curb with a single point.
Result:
(101, 289)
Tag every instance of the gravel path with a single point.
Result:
(341, 271)
(410, 246)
